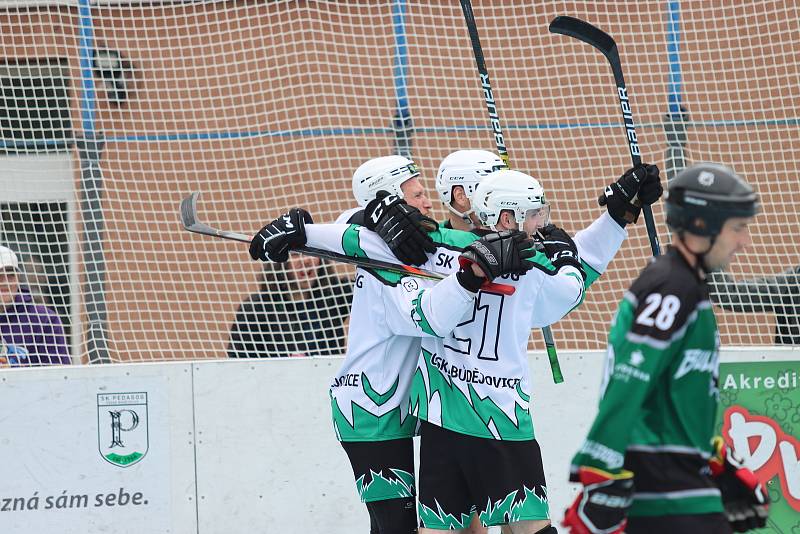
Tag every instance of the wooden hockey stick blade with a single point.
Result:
(189, 221)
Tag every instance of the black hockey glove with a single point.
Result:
(642, 180)
(744, 497)
(402, 227)
(498, 253)
(275, 240)
(560, 248)
(602, 506)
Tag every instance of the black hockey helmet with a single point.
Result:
(702, 197)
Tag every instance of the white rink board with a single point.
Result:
(264, 458)
(267, 457)
(51, 434)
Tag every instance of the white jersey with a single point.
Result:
(370, 392)
(475, 379)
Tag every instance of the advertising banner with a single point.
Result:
(97, 450)
(760, 417)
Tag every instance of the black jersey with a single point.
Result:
(660, 396)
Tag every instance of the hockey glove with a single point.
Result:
(275, 240)
(744, 497)
(402, 227)
(496, 254)
(602, 505)
(642, 180)
(560, 248)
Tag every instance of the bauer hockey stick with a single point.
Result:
(192, 224)
(494, 119)
(583, 31)
(402, 124)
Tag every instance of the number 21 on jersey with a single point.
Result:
(479, 334)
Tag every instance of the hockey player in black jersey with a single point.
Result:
(648, 460)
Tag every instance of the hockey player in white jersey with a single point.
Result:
(369, 395)
(455, 368)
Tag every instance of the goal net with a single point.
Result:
(113, 112)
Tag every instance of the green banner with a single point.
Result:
(760, 418)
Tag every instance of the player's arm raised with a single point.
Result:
(600, 241)
(638, 186)
(557, 284)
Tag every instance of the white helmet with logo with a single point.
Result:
(386, 173)
(507, 190)
(465, 168)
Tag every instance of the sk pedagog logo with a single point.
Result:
(122, 427)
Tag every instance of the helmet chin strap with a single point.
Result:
(701, 256)
(464, 216)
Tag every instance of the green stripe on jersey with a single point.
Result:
(419, 316)
(351, 245)
(453, 239)
(351, 242)
(378, 398)
(591, 274)
(473, 415)
(367, 426)
(672, 505)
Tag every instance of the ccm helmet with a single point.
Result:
(507, 190)
(386, 173)
(702, 197)
(465, 168)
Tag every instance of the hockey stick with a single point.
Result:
(402, 124)
(494, 119)
(486, 86)
(583, 31)
(192, 224)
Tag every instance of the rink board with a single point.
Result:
(228, 447)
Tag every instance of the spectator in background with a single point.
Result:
(299, 311)
(32, 333)
(36, 279)
(779, 294)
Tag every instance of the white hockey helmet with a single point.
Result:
(386, 173)
(507, 190)
(465, 168)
